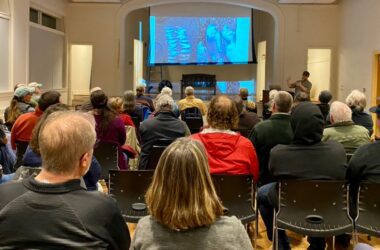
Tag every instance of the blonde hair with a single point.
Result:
(63, 139)
(189, 91)
(356, 100)
(181, 195)
(166, 91)
(164, 101)
(116, 103)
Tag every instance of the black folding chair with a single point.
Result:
(244, 132)
(128, 188)
(107, 156)
(313, 208)
(193, 118)
(349, 156)
(157, 149)
(368, 219)
(237, 194)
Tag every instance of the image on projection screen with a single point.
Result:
(200, 40)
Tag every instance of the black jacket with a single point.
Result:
(163, 126)
(59, 216)
(307, 157)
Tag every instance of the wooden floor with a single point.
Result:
(298, 242)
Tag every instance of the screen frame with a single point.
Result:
(253, 51)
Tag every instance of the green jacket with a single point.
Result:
(267, 134)
(351, 136)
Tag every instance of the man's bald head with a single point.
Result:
(64, 138)
(222, 113)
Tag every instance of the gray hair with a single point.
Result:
(64, 137)
(189, 91)
(164, 101)
(356, 100)
(283, 101)
(129, 101)
(340, 112)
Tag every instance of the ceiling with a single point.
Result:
(279, 1)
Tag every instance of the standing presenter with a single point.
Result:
(303, 85)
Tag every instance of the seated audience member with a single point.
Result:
(364, 165)
(37, 93)
(32, 157)
(109, 127)
(52, 210)
(267, 112)
(164, 125)
(356, 100)
(87, 106)
(143, 99)
(191, 102)
(23, 126)
(300, 97)
(20, 104)
(116, 104)
(168, 91)
(343, 130)
(247, 120)
(248, 105)
(228, 152)
(324, 98)
(269, 133)
(306, 158)
(186, 212)
(7, 158)
(130, 107)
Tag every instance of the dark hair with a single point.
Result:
(306, 73)
(99, 101)
(34, 145)
(222, 113)
(47, 99)
(163, 84)
(325, 96)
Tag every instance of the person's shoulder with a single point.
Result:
(10, 191)
(99, 200)
(228, 223)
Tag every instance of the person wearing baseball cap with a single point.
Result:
(37, 93)
(20, 104)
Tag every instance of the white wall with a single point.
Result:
(94, 24)
(19, 40)
(359, 40)
(309, 26)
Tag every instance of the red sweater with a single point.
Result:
(127, 120)
(23, 127)
(229, 154)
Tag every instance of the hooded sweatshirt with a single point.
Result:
(307, 157)
(229, 153)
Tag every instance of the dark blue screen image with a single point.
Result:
(199, 40)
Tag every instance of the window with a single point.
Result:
(33, 15)
(46, 20)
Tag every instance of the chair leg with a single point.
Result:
(256, 233)
(275, 232)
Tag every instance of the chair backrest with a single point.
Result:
(369, 209)
(315, 208)
(191, 112)
(237, 195)
(129, 188)
(157, 149)
(107, 156)
(349, 156)
(244, 132)
(136, 121)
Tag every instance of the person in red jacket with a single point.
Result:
(228, 152)
(21, 133)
